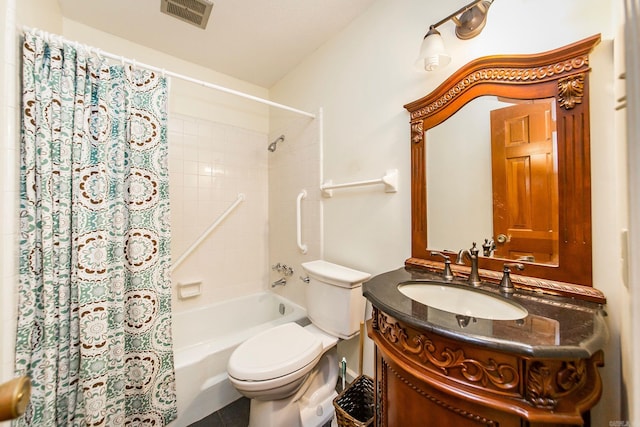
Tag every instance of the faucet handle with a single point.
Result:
(282, 269)
(447, 274)
(287, 271)
(488, 247)
(506, 286)
(509, 265)
(474, 250)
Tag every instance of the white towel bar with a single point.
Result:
(208, 231)
(390, 181)
(301, 246)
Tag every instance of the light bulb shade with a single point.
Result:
(432, 52)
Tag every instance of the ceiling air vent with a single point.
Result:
(195, 12)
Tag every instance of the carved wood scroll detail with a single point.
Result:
(504, 75)
(540, 390)
(545, 387)
(571, 91)
(416, 132)
(448, 361)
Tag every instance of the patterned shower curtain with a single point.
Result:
(94, 314)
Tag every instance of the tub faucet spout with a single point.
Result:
(280, 282)
(472, 255)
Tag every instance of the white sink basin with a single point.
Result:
(464, 301)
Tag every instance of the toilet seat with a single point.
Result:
(277, 352)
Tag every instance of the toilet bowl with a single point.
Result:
(279, 377)
(290, 372)
(275, 363)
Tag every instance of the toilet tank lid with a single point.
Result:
(338, 274)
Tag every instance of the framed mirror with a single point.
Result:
(500, 156)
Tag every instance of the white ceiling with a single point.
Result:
(258, 41)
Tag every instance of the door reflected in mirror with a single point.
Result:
(492, 174)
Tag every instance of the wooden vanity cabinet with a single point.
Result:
(423, 379)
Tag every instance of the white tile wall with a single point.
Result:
(293, 167)
(209, 165)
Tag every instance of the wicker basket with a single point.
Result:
(354, 406)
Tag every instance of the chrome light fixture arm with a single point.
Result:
(453, 17)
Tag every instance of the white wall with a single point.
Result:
(364, 76)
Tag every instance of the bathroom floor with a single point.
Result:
(235, 414)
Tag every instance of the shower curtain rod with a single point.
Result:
(173, 74)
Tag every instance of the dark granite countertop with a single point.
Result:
(555, 327)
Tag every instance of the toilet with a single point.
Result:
(290, 372)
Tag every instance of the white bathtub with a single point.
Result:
(204, 338)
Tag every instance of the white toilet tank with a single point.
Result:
(334, 297)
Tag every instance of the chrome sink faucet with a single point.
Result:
(472, 255)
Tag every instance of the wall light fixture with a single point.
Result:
(469, 20)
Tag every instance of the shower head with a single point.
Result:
(272, 146)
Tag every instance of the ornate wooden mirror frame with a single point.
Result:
(563, 75)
